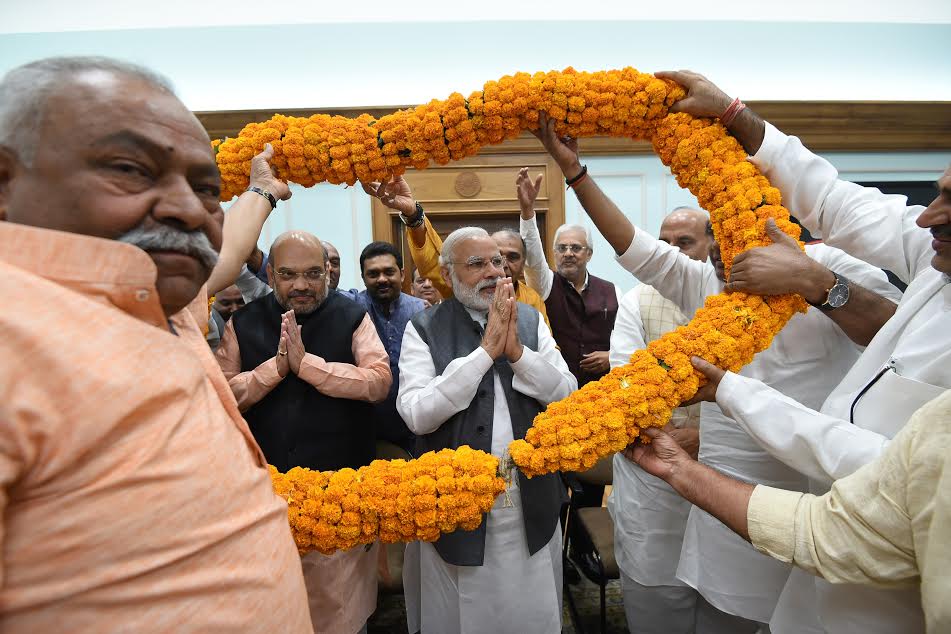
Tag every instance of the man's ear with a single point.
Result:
(446, 277)
(8, 168)
(270, 273)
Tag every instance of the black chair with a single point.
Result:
(590, 541)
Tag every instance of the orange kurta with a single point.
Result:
(134, 498)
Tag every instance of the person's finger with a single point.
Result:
(370, 188)
(653, 432)
(706, 368)
(267, 153)
(538, 181)
(684, 105)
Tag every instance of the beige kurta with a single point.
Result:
(341, 589)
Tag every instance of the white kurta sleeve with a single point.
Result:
(543, 375)
(820, 446)
(425, 400)
(872, 226)
(537, 274)
(250, 285)
(682, 280)
(628, 334)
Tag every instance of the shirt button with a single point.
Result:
(481, 430)
(142, 294)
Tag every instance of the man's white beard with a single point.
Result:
(470, 296)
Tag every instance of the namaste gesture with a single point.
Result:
(501, 328)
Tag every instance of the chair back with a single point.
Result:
(601, 474)
(386, 450)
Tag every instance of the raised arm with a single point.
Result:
(613, 225)
(862, 221)
(677, 277)
(244, 221)
(425, 245)
(537, 274)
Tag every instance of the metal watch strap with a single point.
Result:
(270, 197)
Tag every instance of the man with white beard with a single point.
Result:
(475, 370)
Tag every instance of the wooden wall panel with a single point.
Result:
(861, 126)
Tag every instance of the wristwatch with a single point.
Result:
(838, 295)
(416, 220)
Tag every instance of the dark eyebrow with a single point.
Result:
(135, 142)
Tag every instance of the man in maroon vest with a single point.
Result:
(581, 307)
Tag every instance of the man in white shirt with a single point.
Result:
(649, 516)
(739, 586)
(905, 365)
(475, 370)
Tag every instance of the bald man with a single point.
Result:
(649, 516)
(304, 365)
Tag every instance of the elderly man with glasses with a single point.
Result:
(475, 370)
(581, 307)
(304, 365)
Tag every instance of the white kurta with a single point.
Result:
(907, 364)
(511, 591)
(649, 516)
(806, 360)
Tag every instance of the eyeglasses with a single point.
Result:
(479, 265)
(574, 248)
(511, 257)
(311, 275)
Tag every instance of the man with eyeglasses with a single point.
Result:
(425, 245)
(581, 307)
(304, 365)
(476, 370)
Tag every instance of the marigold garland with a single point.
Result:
(606, 415)
(389, 500)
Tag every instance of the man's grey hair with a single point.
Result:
(448, 255)
(582, 228)
(25, 90)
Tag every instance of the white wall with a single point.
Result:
(640, 185)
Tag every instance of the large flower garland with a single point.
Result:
(606, 415)
(389, 500)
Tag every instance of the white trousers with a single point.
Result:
(659, 609)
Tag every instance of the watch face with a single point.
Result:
(838, 295)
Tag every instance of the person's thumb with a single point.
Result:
(777, 235)
(709, 370)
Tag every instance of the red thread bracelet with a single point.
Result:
(735, 108)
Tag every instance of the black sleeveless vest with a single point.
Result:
(451, 333)
(296, 425)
